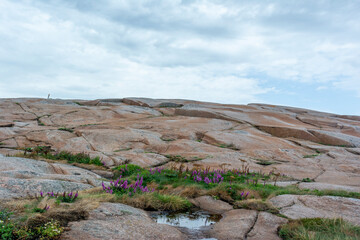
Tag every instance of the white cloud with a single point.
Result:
(207, 50)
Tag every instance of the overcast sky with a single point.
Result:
(295, 53)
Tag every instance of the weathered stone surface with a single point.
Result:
(266, 227)
(105, 174)
(327, 186)
(119, 221)
(247, 224)
(307, 206)
(143, 131)
(22, 177)
(235, 224)
(209, 204)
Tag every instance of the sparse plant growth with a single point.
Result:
(319, 229)
(40, 123)
(123, 149)
(66, 129)
(181, 159)
(264, 162)
(230, 146)
(311, 156)
(60, 197)
(307, 180)
(41, 210)
(167, 139)
(46, 152)
(176, 158)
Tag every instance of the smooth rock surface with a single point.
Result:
(307, 206)
(247, 224)
(22, 177)
(211, 205)
(118, 221)
(266, 227)
(299, 143)
(235, 224)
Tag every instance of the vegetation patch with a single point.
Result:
(167, 139)
(66, 129)
(47, 152)
(319, 229)
(307, 180)
(10, 229)
(123, 149)
(230, 146)
(311, 156)
(181, 159)
(264, 162)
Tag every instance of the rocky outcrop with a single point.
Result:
(21, 177)
(299, 143)
(119, 221)
(307, 206)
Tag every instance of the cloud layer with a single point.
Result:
(224, 51)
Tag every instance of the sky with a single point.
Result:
(294, 53)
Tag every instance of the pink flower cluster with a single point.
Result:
(124, 186)
(207, 176)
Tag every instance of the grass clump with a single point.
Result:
(230, 146)
(66, 129)
(311, 156)
(156, 201)
(47, 152)
(264, 162)
(123, 149)
(319, 229)
(126, 170)
(307, 180)
(74, 158)
(176, 158)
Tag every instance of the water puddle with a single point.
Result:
(195, 224)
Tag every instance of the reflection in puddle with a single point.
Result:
(191, 219)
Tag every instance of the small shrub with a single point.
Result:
(6, 230)
(50, 230)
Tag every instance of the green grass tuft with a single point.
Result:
(66, 129)
(319, 229)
